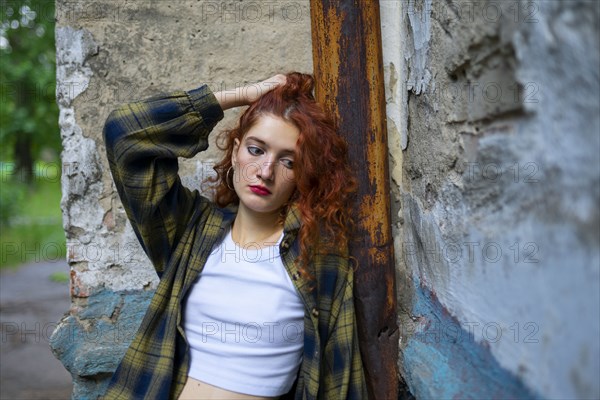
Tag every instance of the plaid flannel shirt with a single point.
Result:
(178, 229)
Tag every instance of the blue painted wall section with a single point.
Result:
(443, 360)
(91, 341)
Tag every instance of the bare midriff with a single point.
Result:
(198, 390)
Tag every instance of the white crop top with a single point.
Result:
(244, 321)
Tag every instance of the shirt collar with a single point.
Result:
(292, 219)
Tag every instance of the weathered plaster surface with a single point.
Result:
(395, 71)
(94, 333)
(419, 17)
(111, 52)
(499, 224)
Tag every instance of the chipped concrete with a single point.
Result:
(395, 69)
(419, 17)
(498, 203)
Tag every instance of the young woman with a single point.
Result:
(255, 293)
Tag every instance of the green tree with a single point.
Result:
(28, 110)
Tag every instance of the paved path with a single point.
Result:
(30, 306)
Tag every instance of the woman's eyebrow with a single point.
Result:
(256, 139)
(285, 151)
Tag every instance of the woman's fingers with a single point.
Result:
(253, 92)
(244, 95)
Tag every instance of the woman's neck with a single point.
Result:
(255, 229)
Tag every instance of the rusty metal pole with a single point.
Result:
(348, 65)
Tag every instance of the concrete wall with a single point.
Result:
(110, 52)
(493, 112)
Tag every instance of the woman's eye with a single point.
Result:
(287, 163)
(255, 151)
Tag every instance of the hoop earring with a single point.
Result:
(227, 178)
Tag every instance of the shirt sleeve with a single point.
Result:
(143, 141)
(343, 374)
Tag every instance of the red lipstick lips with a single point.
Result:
(260, 190)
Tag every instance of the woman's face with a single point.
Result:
(263, 164)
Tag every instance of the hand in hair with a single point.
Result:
(244, 95)
(253, 92)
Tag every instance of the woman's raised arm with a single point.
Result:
(143, 141)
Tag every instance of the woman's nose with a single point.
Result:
(266, 171)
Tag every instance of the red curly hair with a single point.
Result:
(324, 182)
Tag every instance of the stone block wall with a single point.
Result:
(111, 52)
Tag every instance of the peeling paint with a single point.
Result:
(89, 343)
(73, 48)
(394, 66)
(419, 17)
(500, 179)
(444, 361)
(85, 340)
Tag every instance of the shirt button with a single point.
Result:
(315, 312)
(285, 245)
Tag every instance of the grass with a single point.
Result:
(32, 228)
(59, 277)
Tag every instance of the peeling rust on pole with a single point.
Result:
(348, 69)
